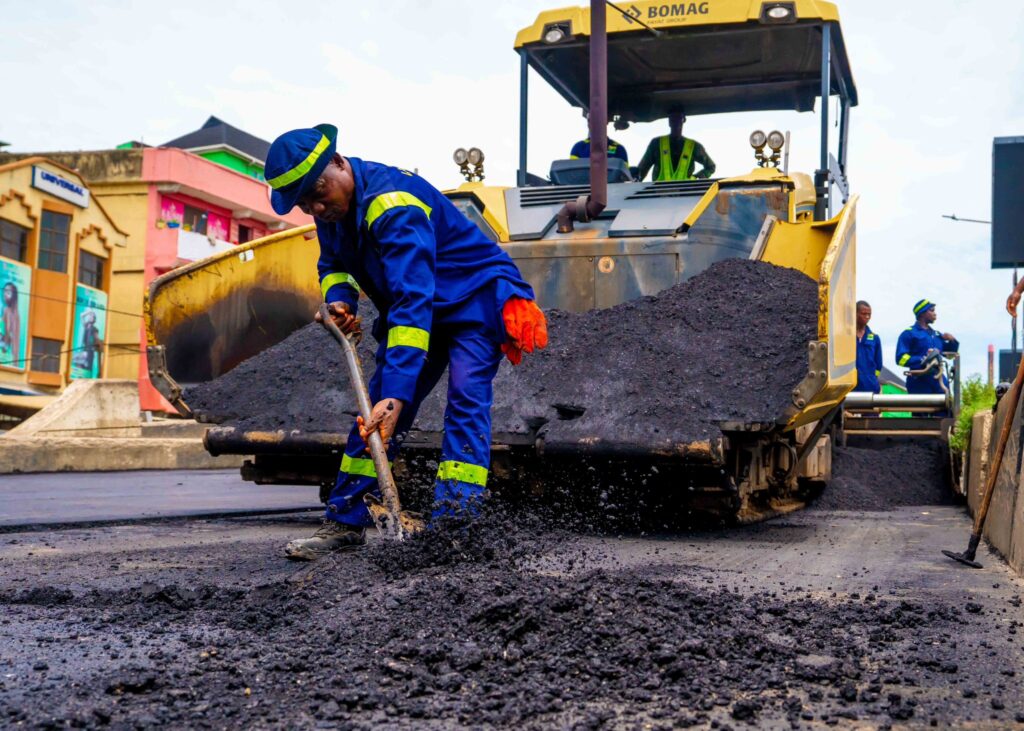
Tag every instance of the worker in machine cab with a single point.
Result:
(920, 348)
(675, 157)
(869, 352)
(448, 298)
(582, 150)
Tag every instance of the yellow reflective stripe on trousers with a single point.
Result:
(362, 466)
(386, 201)
(462, 472)
(337, 278)
(904, 359)
(302, 168)
(412, 337)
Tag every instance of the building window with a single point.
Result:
(244, 234)
(90, 269)
(13, 241)
(53, 241)
(46, 355)
(194, 220)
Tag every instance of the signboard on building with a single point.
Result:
(15, 286)
(60, 187)
(89, 333)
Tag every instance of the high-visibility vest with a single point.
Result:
(666, 171)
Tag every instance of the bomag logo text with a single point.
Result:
(675, 10)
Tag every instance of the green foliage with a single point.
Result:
(975, 395)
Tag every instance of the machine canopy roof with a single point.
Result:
(697, 66)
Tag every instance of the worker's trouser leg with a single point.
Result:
(357, 475)
(466, 450)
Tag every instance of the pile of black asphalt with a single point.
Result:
(887, 476)
(730, 344)
(500, 623)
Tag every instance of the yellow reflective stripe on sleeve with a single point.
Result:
(462, 472)
(906, 357)
(337, 278)
(302, 168)
(413, 337)
(878, 373)
(358, 466)
(386, 201)
(574, 157)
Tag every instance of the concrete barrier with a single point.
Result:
(976, 469)
(88, 408)
(102, 454)
(1004, 526)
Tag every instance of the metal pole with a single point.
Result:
(822, 208)
(524, 97)
(598, 107)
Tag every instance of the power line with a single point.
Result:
(954, 217)
(44, 356)
(72, 302)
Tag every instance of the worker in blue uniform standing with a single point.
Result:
(447, 297)
(582, 150)
(869, 352)
(920, 348)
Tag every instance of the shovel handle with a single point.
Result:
(388, 490)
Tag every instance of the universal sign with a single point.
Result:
(60, 187)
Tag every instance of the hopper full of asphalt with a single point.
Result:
(727, 344)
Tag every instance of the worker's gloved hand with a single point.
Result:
(383, 419)
(525, 327)
(343, 318)
(932, 360)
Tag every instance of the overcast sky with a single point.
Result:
(407, 81)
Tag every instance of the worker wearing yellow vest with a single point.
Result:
(673, 156)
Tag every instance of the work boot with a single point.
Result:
(331, 536)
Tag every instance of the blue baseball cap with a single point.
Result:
(295, 161)
(923, 306)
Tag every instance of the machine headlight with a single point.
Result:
(776, 140)
(779, 12)
(758, 139)
(460, 156)
(476, 155)
(554, 35)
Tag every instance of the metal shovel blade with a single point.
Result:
(400, 527)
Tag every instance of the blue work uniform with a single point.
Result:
(869, 362)
(439, 286)
(911, 348)
(582, 149)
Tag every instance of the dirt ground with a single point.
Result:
(824, 618)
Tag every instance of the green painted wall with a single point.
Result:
(238, 164)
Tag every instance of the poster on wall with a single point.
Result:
(15, 285)
(89, 333)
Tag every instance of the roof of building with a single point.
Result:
(215, 133)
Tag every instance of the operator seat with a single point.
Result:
(577, 172)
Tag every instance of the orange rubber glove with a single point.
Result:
(526, 328)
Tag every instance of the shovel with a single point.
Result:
(967, 557)
(387, 514)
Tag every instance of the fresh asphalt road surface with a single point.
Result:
(85, 497)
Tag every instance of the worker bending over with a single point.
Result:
(920, 348)
(673, 156)
(446, 295)
(869, 352)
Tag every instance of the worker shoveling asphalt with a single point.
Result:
(447, 298)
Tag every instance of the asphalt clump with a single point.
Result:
(728, 344)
